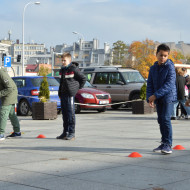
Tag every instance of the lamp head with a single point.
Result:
(75, 32)
(37, 3)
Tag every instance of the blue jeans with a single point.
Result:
(68, 113)
(187, 109)
(164, 111)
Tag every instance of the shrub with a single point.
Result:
(143, 92)
(43, 71)
(44, 93)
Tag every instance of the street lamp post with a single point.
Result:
(74, 32)
(36, 3)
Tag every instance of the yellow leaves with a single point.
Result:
(143, 55)
(176, 56)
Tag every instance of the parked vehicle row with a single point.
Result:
(104, 85)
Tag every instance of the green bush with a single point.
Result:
(44, 93)
(143, 92)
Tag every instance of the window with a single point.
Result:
(95, 58)
(133, 77)
(114, 78)
(101, 78)
(88, 76)
(51, 81)
(20, 83)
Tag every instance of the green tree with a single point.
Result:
(44, 93)
(120, 50)
(143, 92)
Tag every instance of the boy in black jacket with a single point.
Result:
(71, 81)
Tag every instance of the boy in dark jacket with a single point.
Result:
(71, 81)
(161, 90)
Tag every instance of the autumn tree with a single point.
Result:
(176, 56)
(120, 50)
(141, 56)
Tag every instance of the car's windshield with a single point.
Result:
(51, 81)
(88, 85)
(133, 77)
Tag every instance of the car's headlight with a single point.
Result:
(86, 95)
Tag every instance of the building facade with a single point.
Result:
(86, 53)
(30, 49)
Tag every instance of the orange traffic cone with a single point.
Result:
(135, 155)
(178, 147)
(41, 136)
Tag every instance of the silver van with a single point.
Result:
(123, 84)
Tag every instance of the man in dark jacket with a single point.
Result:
(71, 81)
(161, 90)
(180, 86)
(8, 96)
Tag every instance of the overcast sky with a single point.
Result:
(53, 21)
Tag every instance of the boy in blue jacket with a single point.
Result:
(161, 90)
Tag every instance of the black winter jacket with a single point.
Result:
(180, 84)
(71, 80)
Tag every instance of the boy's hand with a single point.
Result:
(151, 104)
(151, 100)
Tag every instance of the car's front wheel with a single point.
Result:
(24, 108)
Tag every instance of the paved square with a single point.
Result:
(98, 158)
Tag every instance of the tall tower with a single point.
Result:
(9, 33)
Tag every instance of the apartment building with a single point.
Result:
(30, 49)
(86, 53)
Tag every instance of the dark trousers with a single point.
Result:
(164, 111)
(68, 113)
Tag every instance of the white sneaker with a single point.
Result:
(2, 137)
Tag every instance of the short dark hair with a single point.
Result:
(163, 47)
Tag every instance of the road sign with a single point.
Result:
(7, 61)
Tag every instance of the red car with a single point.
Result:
(89, 95)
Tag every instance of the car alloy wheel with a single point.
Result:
(24, 108)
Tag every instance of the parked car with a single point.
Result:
(28, 91)
(90, 95)
(123, 84)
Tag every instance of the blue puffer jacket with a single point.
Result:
(162, 82)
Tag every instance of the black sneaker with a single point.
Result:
(166, 149)
(62, 136)
(158, 149)
(14, 135)
(70, 137)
